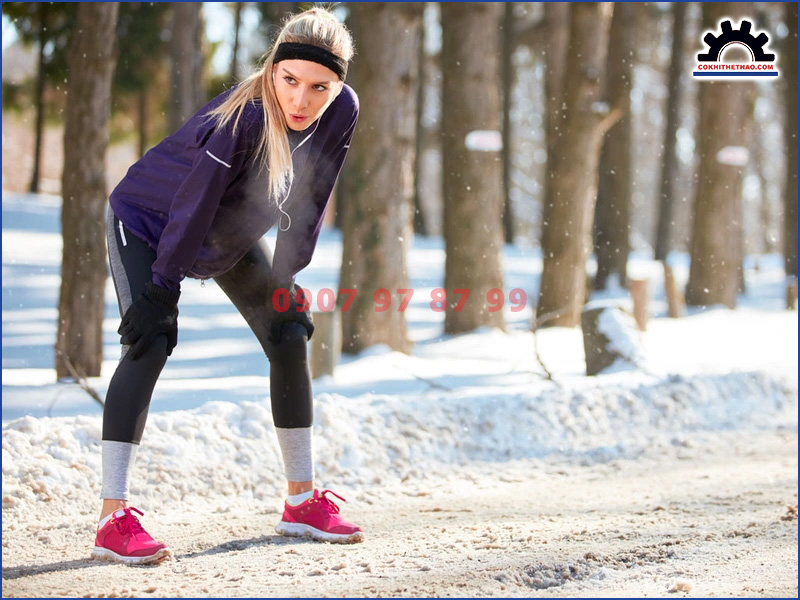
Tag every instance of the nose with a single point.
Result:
(300, 99)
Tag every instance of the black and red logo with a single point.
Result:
(713, 64)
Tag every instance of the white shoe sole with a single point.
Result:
(106, 554)
(302, 530)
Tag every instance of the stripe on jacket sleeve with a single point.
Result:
(219, 160)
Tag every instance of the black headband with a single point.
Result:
(294, 51)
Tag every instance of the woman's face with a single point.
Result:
(304, 89)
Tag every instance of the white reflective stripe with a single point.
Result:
(220, 161)
(122, 234)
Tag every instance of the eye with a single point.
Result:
(320, 88)
(289, 80)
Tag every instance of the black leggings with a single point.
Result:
(131, 387)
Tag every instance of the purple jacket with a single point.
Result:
(200, 199)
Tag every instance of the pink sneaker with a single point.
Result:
(318, 517)
(123, 539)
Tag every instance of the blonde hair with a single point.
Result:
(316, 26)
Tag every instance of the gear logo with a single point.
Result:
(712, 65)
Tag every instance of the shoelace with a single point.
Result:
(328, 504)
(128, 523)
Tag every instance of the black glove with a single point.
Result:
(277, 318)
(153, 313)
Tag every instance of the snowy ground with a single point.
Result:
(472, 473)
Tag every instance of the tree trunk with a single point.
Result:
(343, 190)
(556, 30)
(81, 306)
(569, 208)
(669, 164)
(789, 73)
(508, 43)
(237, 21)
(472, 178)
(724, 122)
(610, 338)
(273, 14)
(556, 16)
(142, 109)
(420, 220)
(612, 217)
(428, 170)
(760, 168)
(39, 101)
(377, 225)
(186, 52)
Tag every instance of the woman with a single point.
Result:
(265, 153)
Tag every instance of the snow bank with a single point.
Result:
(224, 450)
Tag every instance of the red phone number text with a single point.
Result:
(440, 299)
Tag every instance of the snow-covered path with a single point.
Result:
(711, 512)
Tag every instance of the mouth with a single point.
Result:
(297, 118)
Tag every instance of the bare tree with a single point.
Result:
(789, 73)
(427, 169)
(723, 128)
(612, 216)
(188, 91)
(81, 306)
(508, 43)
(556, 32)
(472, 177)
(572, 164)
(420, 219)
(273, 14)
(556, 18)
(39, 102)
(48, 25)
(379, 183)
(237, 22)
(669, 165)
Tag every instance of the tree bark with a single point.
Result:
(612, 216)
(237, 21)
(343, 190)
(508, 43)
(669, 164)
(377, 224)
(572, 164)
(725, 121)
(556, 16)
(420, 219)
(789, 73)
(39, 101)
(472, 179)
(556, 30)
(142, 110)
(81, 306)
(272, 15)
(186, 52)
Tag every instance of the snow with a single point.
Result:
(619, 328)
(383, 416)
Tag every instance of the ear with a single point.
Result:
(274, 73)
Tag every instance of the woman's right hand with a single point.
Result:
(153, 313)
(293, 313)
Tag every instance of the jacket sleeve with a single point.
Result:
(309, 200)
(220, 157)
